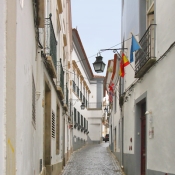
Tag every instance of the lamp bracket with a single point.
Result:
(114, 50)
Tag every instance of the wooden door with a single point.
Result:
(47, 127)
(143, 139)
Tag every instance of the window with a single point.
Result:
(58, 130)
(33, 102)
(81, 120)
(75, 115)
(53, 125)
(78, 118)
(84, 123)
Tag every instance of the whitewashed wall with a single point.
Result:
(29, 63)
(158, 83)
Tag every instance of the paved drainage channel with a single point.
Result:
(92, 160)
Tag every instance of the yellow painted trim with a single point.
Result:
(11, 146)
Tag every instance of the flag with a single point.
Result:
(125, 60)
(121, 71)
(111, 87)
(134, 47)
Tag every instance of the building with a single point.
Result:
(111, 84)
(87, 88)
(36, 44)
(146, 98)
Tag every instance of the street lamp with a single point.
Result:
(99, 65)
(105, 109)
(82, 106)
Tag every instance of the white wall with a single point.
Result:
(2, 88)
(93, 116)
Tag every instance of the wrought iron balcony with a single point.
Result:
(145, 57)
(51, 46)
(66, 94)
(94, 105)
(60, 82)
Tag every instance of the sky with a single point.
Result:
(99, 25)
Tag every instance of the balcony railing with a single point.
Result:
(145, 57)
(51, 42)
(60, 81)
(61, 75)
(94, 105)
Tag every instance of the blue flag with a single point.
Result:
(134, 47)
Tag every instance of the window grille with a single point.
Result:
(53, 125)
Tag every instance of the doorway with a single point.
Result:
(64, 162)
(47, 126)
(143, 138)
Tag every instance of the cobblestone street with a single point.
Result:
(92, 160)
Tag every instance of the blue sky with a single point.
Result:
(99, 25)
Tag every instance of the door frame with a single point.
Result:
(143, 143)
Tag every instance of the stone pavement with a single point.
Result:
(92, 160)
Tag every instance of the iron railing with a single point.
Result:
(94, 105)
(51, 42)
(61, 77)
(66, 94)
(147, 52)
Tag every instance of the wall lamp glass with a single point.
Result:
(99, 65)
(82, 106)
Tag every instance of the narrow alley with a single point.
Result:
(93, 159)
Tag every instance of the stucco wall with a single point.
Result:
(157, 83)
(160, 100)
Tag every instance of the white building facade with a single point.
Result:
(88, 89)
(146, 93)
(34, 110)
